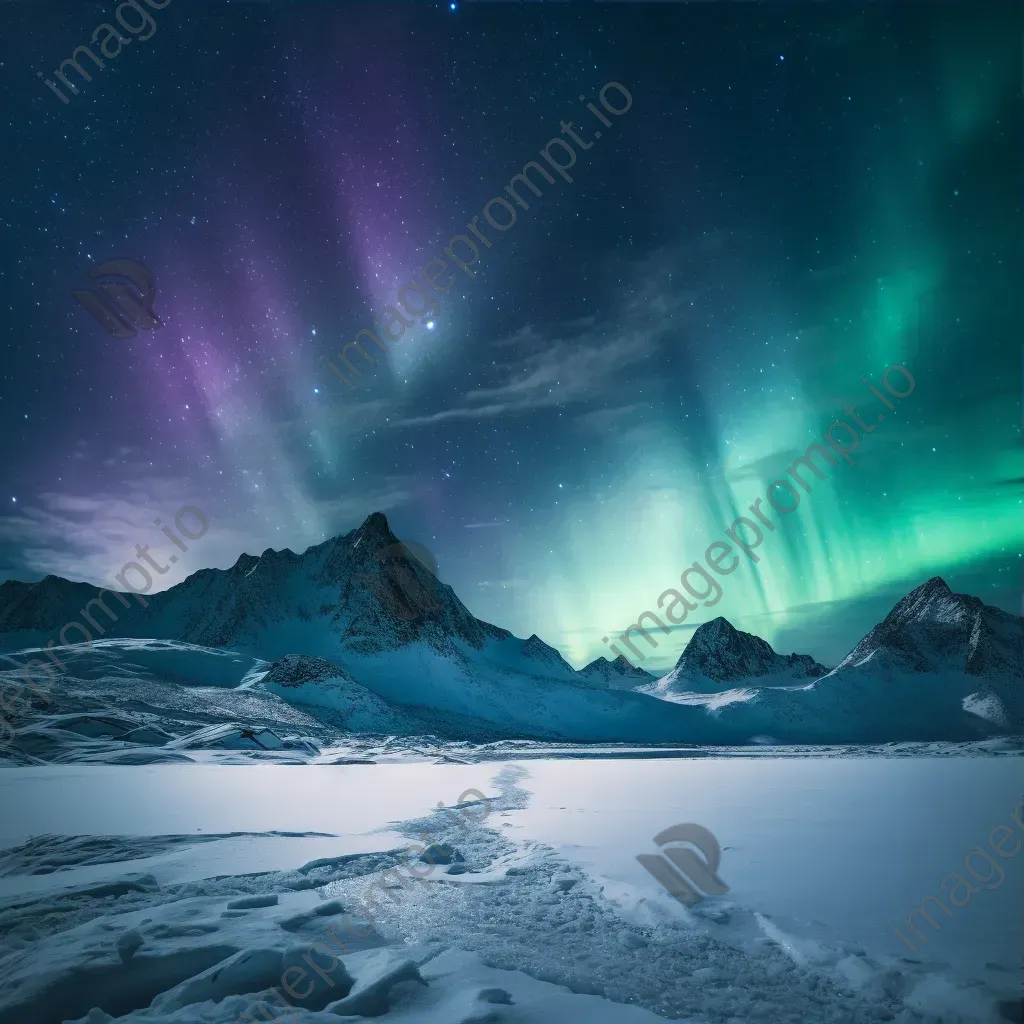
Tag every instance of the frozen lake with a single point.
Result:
(828, 848)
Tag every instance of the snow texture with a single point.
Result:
(522, 935)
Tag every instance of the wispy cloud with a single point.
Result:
(90, 537)
(587, 359)
(566, 371)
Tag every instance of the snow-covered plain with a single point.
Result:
(549, 917)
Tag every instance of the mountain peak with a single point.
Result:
(932, 601)
(619, 670)
(721, 629)
(721, 656)
(537, 651)
(377, 527)
(935, 636)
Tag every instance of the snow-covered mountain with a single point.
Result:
(358, 633)
(940, 666)
(391, 628)
(720, 657)
(617, 674)
(29, 610)
(934, 630)
(942, 648)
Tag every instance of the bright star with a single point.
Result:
(430, 325)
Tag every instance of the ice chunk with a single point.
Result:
(312, 975)
(377, 972)
(249, 970)
(253, 902)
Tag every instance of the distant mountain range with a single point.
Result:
(384, 644)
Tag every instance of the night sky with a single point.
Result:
(799, 197)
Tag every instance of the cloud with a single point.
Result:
(90, 537)
(589, 358)
(616, 418)
(566, 371)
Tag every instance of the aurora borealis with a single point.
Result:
(799, 197)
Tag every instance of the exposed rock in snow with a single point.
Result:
(934, 630)
(228, 737)
(940, 666)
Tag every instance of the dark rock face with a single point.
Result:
(53, 602)
(441, 854)
(720, 657)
